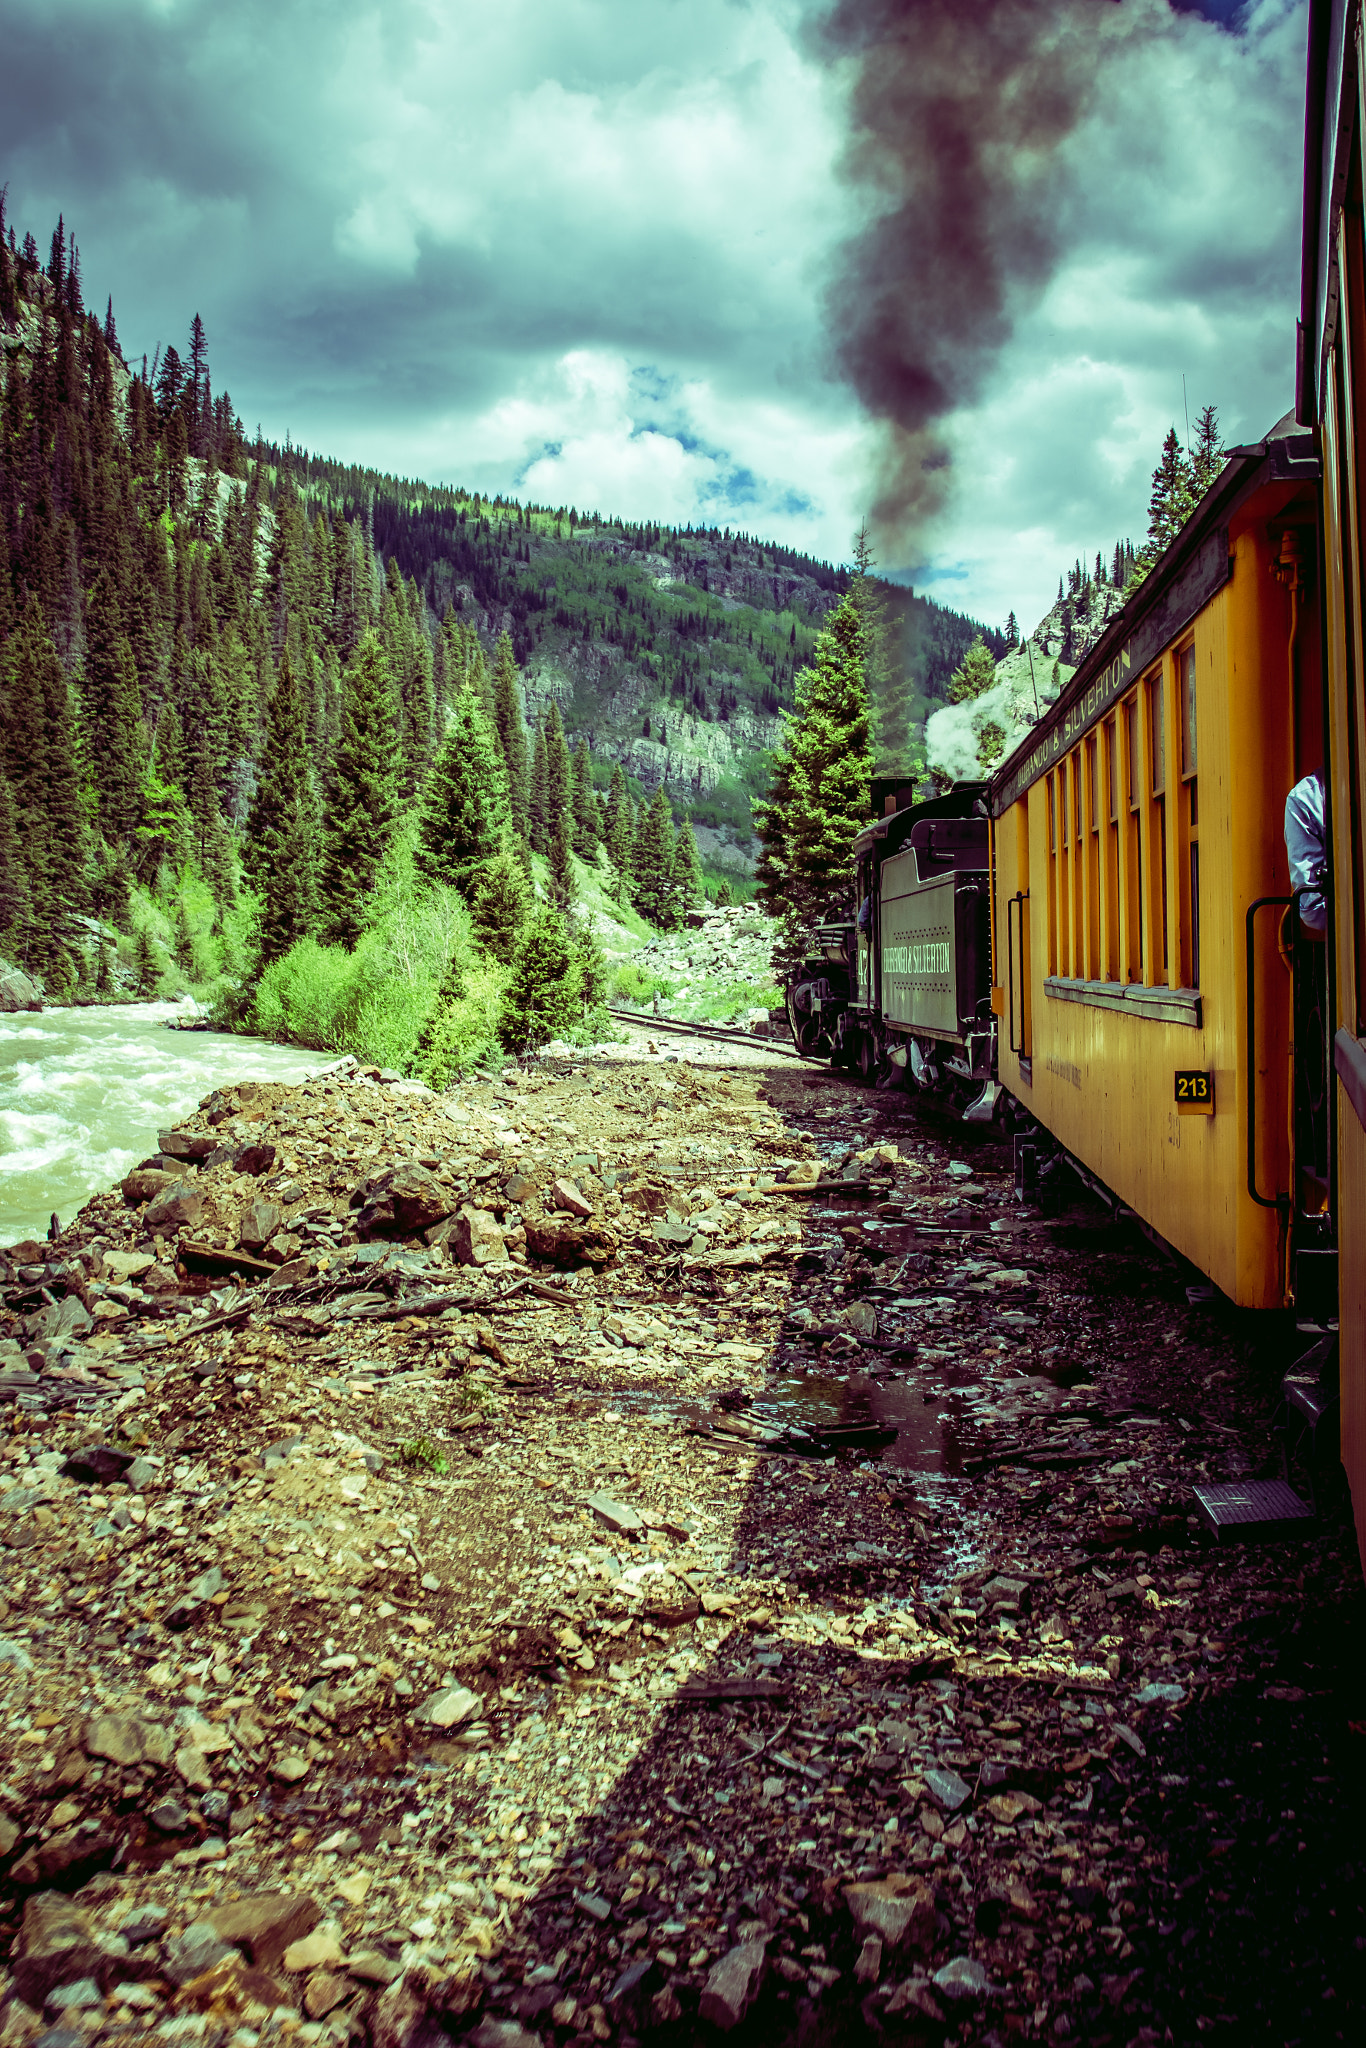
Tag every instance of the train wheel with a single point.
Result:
(867, 1056)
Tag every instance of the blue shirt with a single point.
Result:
(1306, 845)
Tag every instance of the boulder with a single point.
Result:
(474, 1237)
(566, 1195)
(260, 1221)
(17, 992)
(126, 1265)
(145, 1183)
(253, 1159)
(946, 1788)
(71, 1856)
(964, 1981)
(900, 1912)
(401, 1200)
(98, 1464)
(182, 1611)
(571, 1244)
(450, 1706)
(264, 1924)
(311, 1952)
(179, 1207)
(57, 1945)
(615, 1515)
(187, 1144)
(733, 1984)
(127, 1740)
(193, 1952)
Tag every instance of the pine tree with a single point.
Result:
(500, 899)
(542, 996)
(590, 963)
(686, 872)
(587, 819)
(621, 833)
(1013, 626)
(885, 677)
(819, 796)
(169, 750)
(362, 793)
(561, 860)
(113, 713)
(16, 897)
(1173, 499)
(281, 852)
(974, 674)
(465, 806)
(1209, 456)
(538, 808)
(558, 790)
(652, 892)
(184, 937)
(146, 966)
(507, 703)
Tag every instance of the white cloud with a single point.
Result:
(577, 247)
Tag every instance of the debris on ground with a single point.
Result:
(647, 1548)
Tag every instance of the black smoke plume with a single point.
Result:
(958, 111)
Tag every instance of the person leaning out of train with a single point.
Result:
(1306, 847)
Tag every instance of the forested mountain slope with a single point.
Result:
(157, 574)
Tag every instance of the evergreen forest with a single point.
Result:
(329, 747)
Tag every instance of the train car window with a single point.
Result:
(1158, 719)
(1111, 779)
(1133, 846)
(1051, 787)
(1195, 912)
(1186, 665)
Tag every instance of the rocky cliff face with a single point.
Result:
(964, 742)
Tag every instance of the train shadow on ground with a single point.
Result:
(743, 1821)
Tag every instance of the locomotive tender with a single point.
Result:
(1102, 944)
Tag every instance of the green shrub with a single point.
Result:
(631, 983)
(420, 1454)
(462, 1031)
(729, 999)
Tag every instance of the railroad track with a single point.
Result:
(647, 1021)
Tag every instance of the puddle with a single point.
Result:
(927, 1421)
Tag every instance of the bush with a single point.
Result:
(462, 1031)
(377, 1001)
(633, 984)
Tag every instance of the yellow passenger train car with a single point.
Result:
(1166, 1008)
(1134, 832)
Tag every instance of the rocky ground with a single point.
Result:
(641, 1550)
(719, 969)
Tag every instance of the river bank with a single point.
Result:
(83, 1092)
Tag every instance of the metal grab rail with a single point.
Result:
(1281, 1203)
(1021, 897)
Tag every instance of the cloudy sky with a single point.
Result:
(584, 250)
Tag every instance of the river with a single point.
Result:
(84, 1092)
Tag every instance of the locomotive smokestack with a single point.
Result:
(959, 107)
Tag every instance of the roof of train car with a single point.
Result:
(1181, 582)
